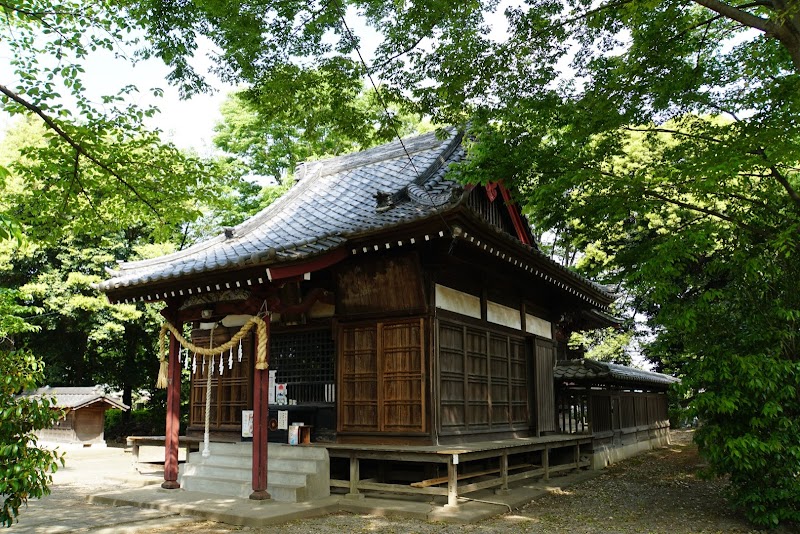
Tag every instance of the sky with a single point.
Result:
(187, 123)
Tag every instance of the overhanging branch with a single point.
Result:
(743, 17)
(79, 149)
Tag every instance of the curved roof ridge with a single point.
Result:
(399, 148)
(337, 164)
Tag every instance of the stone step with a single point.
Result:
(276, 450)
(233, 488)
(246, 462)
(244, 475)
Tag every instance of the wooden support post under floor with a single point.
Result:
(503, 489)
(546, 462)
(452, 481)
(355, 477)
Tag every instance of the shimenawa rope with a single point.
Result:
(261, 349)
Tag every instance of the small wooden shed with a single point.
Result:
(84, 417)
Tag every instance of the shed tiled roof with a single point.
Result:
(592, 371)
(74, 398)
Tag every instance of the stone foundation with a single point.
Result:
(619, 445)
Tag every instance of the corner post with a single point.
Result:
(172, 439)
(260, 424)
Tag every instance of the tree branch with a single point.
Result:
(397, 55)
(675, 132)
(74, 144)
(702, 209)
(743, 17)
(781, 179)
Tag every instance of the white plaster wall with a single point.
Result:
(503, 315)
(458, 302)
(538, 326)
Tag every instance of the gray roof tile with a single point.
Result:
(332, 201)
(75, 397)
(586, 370)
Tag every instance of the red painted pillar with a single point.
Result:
(260, 423)
(173, 414)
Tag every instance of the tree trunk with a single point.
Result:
(127, 399)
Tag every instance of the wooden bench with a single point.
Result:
(134, 442)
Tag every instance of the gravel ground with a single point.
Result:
(658, 492)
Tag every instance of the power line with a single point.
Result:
(354, 42)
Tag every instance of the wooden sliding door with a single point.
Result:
(382, 377)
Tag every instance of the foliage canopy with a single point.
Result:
(660, 136)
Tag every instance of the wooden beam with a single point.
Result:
(467, 476)
(299, 269)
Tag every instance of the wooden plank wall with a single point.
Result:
(378, 286)
(544, 362)
(615, 410)
(231, 393)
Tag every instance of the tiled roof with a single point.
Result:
(76, 397)
(334, 200)
(586, 371)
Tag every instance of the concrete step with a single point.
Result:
(294, 473)
(246, 462)
(243, 475)
(276, 450)
(220, 486)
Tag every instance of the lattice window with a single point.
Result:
(305, 362)
(484, 379)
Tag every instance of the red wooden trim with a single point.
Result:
(516, 218)
(173, 416)
(260, 428)
(322, 262)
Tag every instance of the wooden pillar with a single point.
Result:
(355, 476)
(260, 424)
(173, 412)
(503, 475)
(546, 462)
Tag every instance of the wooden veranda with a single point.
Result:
(466, 468)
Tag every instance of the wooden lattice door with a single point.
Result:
(231, 392)
(382, 377)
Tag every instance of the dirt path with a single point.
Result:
(657, 492)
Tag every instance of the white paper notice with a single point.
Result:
(283, 420)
